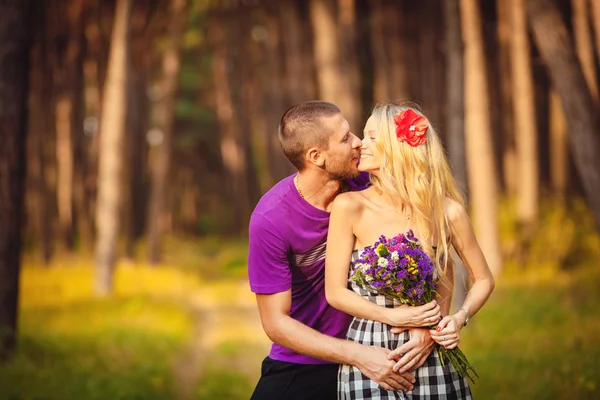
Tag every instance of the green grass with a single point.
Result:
(538, 337)
(105, 349)
(538, 340)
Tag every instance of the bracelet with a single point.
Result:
(467, 314)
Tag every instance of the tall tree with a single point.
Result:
(483, 185)
(112, 131)
(559, 146)
(524, 112)
(38, 191)
(455, 114)
(68, 77)
(510, 175)
(332, 83)
(232, 142)
(596, 22)
(584, 44)
(165, 117)
(299, 82)
(554, 43)
(15, 28)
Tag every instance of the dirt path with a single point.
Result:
(228, 334)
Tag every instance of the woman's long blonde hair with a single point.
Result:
(420, 179)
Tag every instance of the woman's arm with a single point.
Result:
(465, 243)
(444, 288)
(340, 244)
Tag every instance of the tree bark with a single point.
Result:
(455, 101)
(332, 85)
(299, 84)
(166, 117)
(559, 146)
(233, 148)
(15, 28)
(583, 43)
(525, 121)
(455, 114)
(595, 4)
(478, 136)
(112, 130)
(40, 99)
(509, 158)
(553, 41)
(348, 62)
(382, 90)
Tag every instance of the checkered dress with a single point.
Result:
(433, 381)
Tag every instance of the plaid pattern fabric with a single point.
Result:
(433, 381)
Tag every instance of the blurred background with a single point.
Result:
(138, 135)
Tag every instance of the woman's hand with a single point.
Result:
(419, 316)
(447, 333)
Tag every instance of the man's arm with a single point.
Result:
(287, 332)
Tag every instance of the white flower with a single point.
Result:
(361, 267)
(382, 262)
(395, 256)
(369, 278)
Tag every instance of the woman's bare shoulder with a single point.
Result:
(348, 202)
(454, 210)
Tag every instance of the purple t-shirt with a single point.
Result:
(287, 251)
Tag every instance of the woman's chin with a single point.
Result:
(363, 167)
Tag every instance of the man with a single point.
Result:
(286, 260)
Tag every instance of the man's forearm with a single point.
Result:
(302, 339)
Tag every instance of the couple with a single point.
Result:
(305, 232)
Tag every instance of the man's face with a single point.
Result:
(342, 157)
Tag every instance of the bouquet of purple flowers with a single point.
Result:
(399, 268)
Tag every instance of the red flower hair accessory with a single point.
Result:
(411, 127)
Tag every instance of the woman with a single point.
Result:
(412, 188)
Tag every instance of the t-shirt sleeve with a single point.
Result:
(361, 182)
(268, 266)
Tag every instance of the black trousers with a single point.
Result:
(283, 380)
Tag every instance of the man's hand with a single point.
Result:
(374, 363)
(412, 354)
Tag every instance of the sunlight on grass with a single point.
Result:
(60, 285)
(117, 349)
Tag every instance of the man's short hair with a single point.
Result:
(302, 127)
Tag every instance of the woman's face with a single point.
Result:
(370, 156)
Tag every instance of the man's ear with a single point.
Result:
(314, 155)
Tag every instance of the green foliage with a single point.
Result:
(538, 340)
(114, 349)
(564, 235)
(225, 384)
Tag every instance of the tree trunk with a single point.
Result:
(332, 83)
(455, 114)
(112, 131)
(583, 43)
(382, 90)
(394, 16)
(299, 84)
(525, 121)
(165, 118)
(510, 172)
(135, 210)
(40, 99)
(233, 149)
(595, 4)
(478, 136)
(559, 146)
(64, 162)
(553, 41)
(455, 102)
(348, 62)
(15, 28)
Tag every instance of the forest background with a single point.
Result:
(138, 135)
